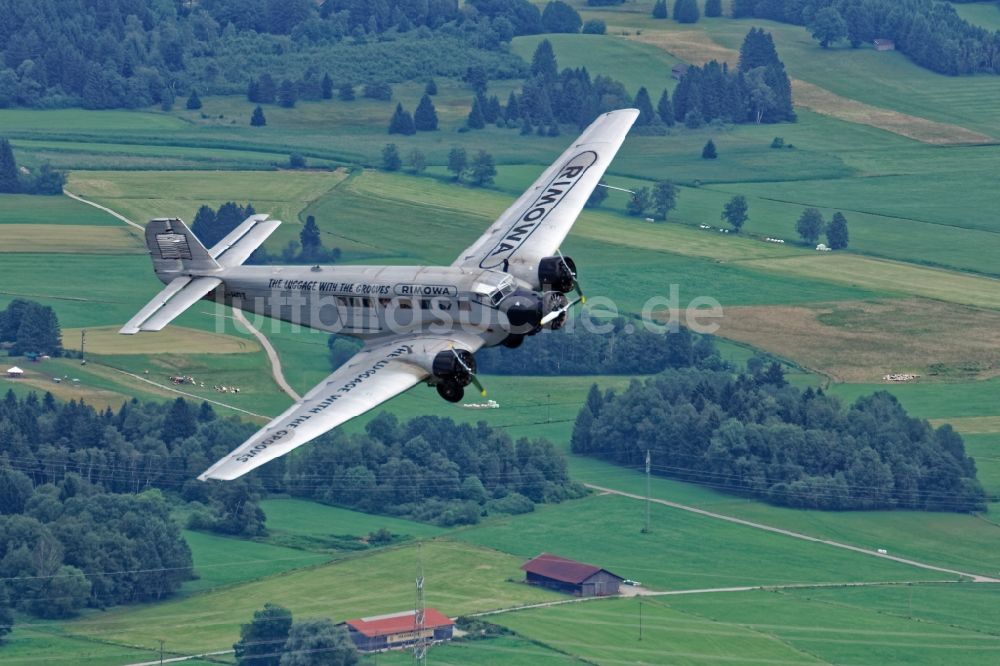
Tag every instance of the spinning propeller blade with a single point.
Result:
(472, 375)
(576, 282)
(555, 314)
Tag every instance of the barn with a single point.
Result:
(398, 630)
(679, 70)
(570, 576)
(884, 45)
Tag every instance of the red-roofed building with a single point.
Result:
(558, 573)
(398, 630)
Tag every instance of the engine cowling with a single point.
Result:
(557, 273)
(454, 366)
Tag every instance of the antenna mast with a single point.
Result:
(420, 645)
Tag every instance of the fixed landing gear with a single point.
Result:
(450, 391)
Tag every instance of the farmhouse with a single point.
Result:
(15, 372)
(884, 45)
(398, 630)
(570, 576)
(678, 71)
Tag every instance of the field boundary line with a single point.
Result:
(105, 209)
(272, 355)
(174, 660)
(976, 578)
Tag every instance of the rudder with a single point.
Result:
(175, 249)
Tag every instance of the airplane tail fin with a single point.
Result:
(176, 250)
(181, 261)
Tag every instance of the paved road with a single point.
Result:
(976, 578)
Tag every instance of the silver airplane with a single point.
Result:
(419, 323)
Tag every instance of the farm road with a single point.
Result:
(105, 209)
(272, 354)
(976, 578)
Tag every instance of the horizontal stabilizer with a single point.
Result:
(178, 296)
(240, 243)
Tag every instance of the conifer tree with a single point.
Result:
(431, 88)
(713, 8)
(258, 119)
(9, 182)
(836, 233)
(543, 62)
(401, 122)
(665, 109)
(709, 152)
(391, 161)
(326, 88)
(193, 102)
(425, 117)
(476, 119)
(660, 9)
(346, 92)
(645, 106)
(686, 11)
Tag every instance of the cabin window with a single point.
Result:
(405, 304)
(342, 301)
(384, 302)
(465, 305)
(425, 304)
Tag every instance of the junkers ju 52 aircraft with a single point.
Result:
(419, 323)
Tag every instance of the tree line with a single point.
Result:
(431, 469)
(28, 327)
(627, 348)
(930, 33)
(45, 180)
(211, 226)
(128, 53)
(755, 435)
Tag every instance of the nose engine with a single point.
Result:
(528, 311)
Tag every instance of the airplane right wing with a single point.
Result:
(536, 224)
(369, 378)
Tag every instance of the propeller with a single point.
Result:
(576, 282)
(472, 374)
(555, 314)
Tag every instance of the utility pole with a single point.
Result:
(640, 619)
(420, 645)
(645, 530)
(161, 651)
(83, 344)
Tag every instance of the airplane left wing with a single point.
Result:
(369, 378)
(536, 224)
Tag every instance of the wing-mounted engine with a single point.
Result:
(453, 369)
(557, 273)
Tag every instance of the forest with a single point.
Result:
(755, 435)
(133, 53)
(431, 469)
(627, 348)
(930, 33)
(85, 492)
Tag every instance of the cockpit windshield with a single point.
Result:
(505, 289)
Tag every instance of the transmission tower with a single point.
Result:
(420, 645)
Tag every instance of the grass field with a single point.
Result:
(298, 517)
(845, 626)
(460, 578)
(863, 341)
(141, 196)
(685, 551)
(502, 651)
(29, 646)
(221, 561)
(883, 79)
(607, 632)
(943, 539)
(25, 209)
(65, 238)
(984, 14)
(173, 339)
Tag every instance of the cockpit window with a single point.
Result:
(505, 289)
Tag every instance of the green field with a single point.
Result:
(26, 209)
(984, 14)
(503, 651)
(222, 561)
(685, 551)
(460, 578)
(298, 517)
(921, 624)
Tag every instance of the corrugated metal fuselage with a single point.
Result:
(371, 301)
